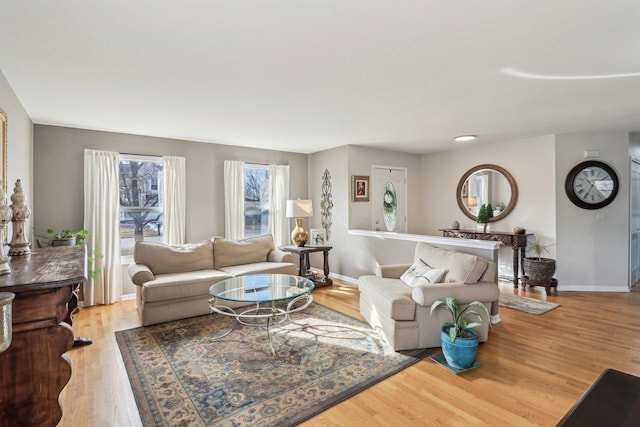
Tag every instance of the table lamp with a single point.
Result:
(299, 209)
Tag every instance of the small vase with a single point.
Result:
(299, 236)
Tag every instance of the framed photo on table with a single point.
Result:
(317, 237)
(360, 188)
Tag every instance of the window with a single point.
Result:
(140, 201)
(256, 200)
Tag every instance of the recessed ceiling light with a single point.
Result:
(525, 75)
(463, 138)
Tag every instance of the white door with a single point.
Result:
(634, 249)
(389, 196)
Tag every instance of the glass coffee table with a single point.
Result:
(264, 299)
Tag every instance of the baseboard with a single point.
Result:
(127, 297)
(347, 279)
(591, 288)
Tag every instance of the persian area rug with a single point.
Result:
(180, 375)
(525, 304)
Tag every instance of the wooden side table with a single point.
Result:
(303, 253)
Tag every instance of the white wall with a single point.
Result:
(19, 142)
(19, 147)
(593, 245)
(360, 162)
(336, 162)
(532, 165)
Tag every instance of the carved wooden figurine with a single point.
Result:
(19, 244)
(5, 218)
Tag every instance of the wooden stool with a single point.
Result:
(553, 283)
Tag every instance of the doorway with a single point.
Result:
(634, 224)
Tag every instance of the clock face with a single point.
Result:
(591, 185)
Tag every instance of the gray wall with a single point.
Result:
(59, 162)
(593, 245)
(530, 162)
(353, 256)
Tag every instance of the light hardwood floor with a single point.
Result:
(533, 367)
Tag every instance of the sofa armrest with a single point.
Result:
(426, 295)
(277, 255)
(140, 274)
(391, 271)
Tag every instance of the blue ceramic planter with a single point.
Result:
(461, 353)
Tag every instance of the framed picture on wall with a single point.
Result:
(360, 188)
(318, 237)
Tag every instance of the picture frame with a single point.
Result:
(3, 149)
(360, 188)
(317, 237)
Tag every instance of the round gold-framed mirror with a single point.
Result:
(487, 184)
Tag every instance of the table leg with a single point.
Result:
(301, 271)
(307, 263)
(523, 250)
(326, 264)
(516, 268)
(72, 308)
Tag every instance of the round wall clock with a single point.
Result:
(591, 185)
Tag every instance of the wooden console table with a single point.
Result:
(518, 243)
(34, 369)
(303, 253)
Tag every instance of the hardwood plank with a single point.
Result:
(534, 368)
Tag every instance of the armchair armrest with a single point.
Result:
(391, 271)
(426, 295)
(140, 274)
(277, 255)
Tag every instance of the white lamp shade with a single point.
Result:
(299, 209)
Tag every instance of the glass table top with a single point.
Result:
(261, 288)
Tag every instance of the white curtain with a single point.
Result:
(101, 218)
(174, 191)
(233, 199)
(278, 195)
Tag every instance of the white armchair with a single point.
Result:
(400, 313)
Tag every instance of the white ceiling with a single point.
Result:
(307, 75)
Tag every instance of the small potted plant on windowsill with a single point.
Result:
(458, 339)
(67, 237)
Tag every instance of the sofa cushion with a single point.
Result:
(390, 297)
(165, 259)
(236, 252)
(181, 285)
(261, 267)
(461, 267)
(420, 273)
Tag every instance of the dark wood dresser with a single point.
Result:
(34, 369)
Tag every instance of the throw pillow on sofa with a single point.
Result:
(420, 274)
(164, 259)
(237, 252)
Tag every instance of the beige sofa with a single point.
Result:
(173, 281)
(400, 313)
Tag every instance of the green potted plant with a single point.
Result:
(67, 237)
(458, 339)
(537, 267)
(483, 217)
